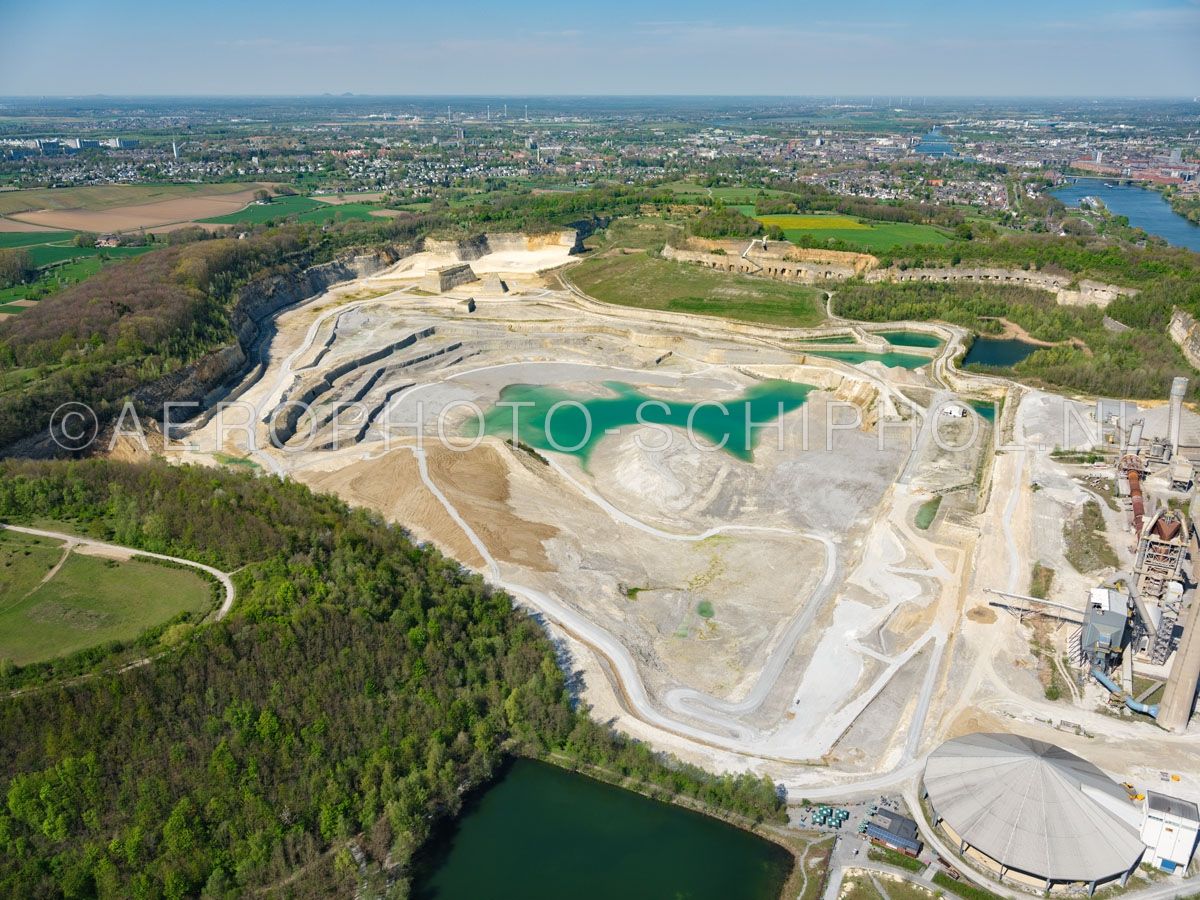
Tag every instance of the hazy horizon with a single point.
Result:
(1023, 49)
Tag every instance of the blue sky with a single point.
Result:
(1011, 47)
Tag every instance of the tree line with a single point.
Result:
(1137, 363)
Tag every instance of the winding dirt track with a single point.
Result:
(72, 540)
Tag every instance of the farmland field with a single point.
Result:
(304, 209)
(121, 207)
(648, 282)
(109, 196)
(257, 213)
(90, 600)
(10, 239)
(808, 223)
(859, 233)
(46, 254)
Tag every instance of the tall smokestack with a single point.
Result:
(1179, 388)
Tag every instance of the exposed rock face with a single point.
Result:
(473, 248)
(204, 381)
(1088, 293)
(443, 279)
(809, 268)
(785, 262)
(1185, 331)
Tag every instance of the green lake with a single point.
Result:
(910, 338)
(986, 409)
(832, 339)
(553, 419)
(891, 359)
(542, 833)
(998, 352)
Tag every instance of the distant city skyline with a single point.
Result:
(864, 47)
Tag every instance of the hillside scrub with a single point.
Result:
(722, 222)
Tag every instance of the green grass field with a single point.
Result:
(47, 254)
(639, 233)
(813, 222)
(327, 212)
(257, 213)
(860, 233)
(649, 282)
(10, 239)
(730, 196)
(304, 209)
(51, 280)
(89, 601)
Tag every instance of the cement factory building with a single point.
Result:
(1038, 816)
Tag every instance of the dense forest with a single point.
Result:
(1136, 363)
(360, 687)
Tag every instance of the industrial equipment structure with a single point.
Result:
(1038, 816)
(1162, 549)
(1179, 697)
(1031, 813)
(1106, 626)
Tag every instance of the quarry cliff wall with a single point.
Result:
(472, 248)
(1185, 331)
(208, 379)
(808, 266)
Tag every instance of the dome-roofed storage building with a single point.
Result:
(1032, 813)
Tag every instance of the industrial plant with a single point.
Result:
(1039, 817)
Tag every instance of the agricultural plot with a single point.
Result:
(108, 196)
(859, 233)
(328, 212)
(730, 196)
(807, 223)
(648, 282)
(49, 610)
(13, 239)
(48, 254)
(257, 213)
(303, 209)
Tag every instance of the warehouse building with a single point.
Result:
(889, 829)
(1031, 813)
(1169, 830)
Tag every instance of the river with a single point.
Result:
(1145, 208)
(542, 832)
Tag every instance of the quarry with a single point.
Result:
(822, 598)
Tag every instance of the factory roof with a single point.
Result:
(899, 825)
(1173, 806)
(1034, 807)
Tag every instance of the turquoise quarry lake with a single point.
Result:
(541, 833)
(890, 359)
(910, 338)
(550, 418)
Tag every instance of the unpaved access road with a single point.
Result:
(73, 540)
